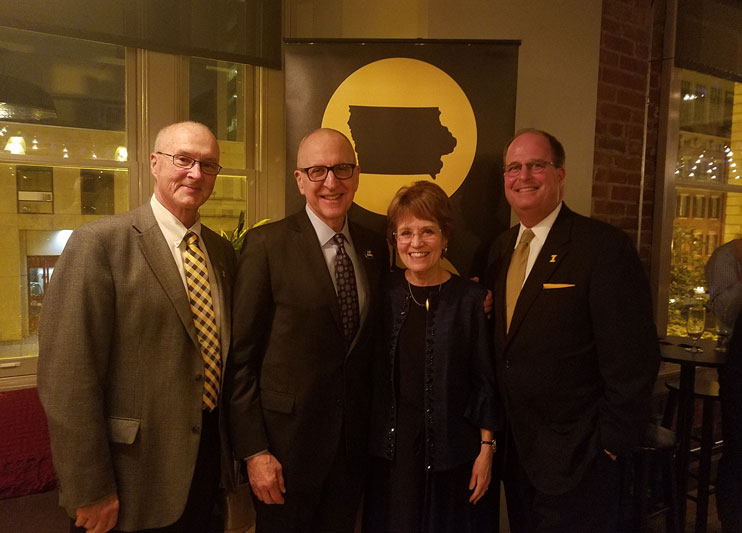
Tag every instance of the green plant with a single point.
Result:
(237, 235)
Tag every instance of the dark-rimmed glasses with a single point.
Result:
(534, 166)
(183, 161)
(342, 171)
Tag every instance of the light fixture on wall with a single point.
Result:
(22, 101)
(16, 145)
(121, 154)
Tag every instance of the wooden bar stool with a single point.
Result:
(707, 391)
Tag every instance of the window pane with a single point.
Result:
(61, 97)
(222, 211)
(222, 97)
(707, 178)
(37, 223)
(62, 141)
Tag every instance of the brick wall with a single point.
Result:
(626, 37)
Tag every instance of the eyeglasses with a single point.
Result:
(342, 171)
(534, 166)
(427, 234)
(183, 161)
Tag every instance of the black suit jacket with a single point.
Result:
(292, 387)
(577, 367)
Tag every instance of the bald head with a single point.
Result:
(187, 127)
(331, 197)
(322, 136)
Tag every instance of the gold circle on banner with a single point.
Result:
(411, 83)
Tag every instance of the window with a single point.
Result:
(683, 206)
(35, 189)
(69, 150)
(97, 192)
(707, 185)
(699, 206)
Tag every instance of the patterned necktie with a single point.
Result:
(347, 293)
(517, 273)
(199, 295)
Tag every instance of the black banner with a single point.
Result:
(414, 110)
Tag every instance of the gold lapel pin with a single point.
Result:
(553, 258)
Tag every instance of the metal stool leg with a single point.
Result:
(704, 466)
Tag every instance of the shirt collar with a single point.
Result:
(542, 229)
(172, 228)
(324, 232)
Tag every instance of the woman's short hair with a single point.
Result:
(424, 200)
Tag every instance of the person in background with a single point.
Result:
(724, 278)
(435, 406)
(298, 379)
(575, 348)
(134, 332)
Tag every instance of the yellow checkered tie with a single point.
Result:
(199, 296)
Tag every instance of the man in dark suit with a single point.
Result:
(297, 387)
(576, 348)
(130, 353)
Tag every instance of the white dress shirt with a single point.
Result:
(175, 232)
(540, 232)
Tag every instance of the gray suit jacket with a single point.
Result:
(120, 372)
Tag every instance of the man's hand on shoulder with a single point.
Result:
(266, 478)
(488, 300)
(99, 517)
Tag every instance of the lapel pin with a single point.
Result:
(553, 258)
(369, 254)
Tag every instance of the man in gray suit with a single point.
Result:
(134, 333)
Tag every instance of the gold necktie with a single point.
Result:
(517, 273)
(202, 308)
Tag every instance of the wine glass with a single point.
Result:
(696, 325)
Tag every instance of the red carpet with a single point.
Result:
(25, 456)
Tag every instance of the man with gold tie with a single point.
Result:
(134, 335)
(575, 347)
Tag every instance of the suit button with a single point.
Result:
(196, 429)
(507, 363)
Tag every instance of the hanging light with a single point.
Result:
(16, 145)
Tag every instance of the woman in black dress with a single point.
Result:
(435, 407)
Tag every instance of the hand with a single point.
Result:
(609, 454)
(266, 478)
(99, 517)
(481, 474)
(488, 301)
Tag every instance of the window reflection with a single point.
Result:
(708, 209)
(222, 97)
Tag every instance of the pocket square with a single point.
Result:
(558, 285)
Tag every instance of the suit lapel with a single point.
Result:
(551, 255)
(504, 255)
(316, 266)
(160, 260)
(366, 273)
(220, 276)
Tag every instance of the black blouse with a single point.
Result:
(457, 378)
